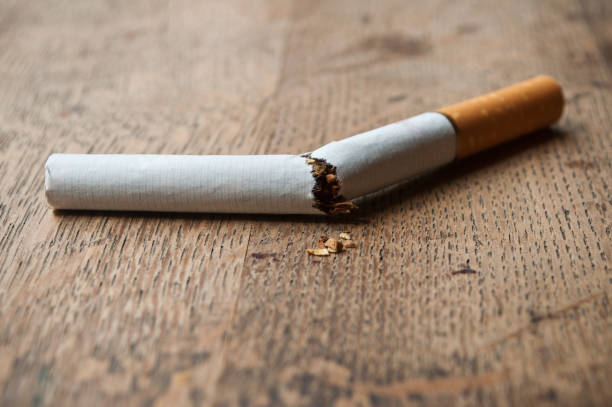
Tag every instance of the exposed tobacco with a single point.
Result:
(327, 189)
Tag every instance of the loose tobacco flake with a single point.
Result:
(321, 243)
(348, 244)
(334, 246)
(318, 252)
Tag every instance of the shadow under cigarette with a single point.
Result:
(369, 205)
(352, 219)
(393, 195)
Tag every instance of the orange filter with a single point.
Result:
(503, 115)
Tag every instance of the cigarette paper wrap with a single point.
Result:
(390, 154)
(180, 183)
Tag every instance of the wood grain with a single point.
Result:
(175, 309)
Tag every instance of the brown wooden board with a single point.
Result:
(177, 309)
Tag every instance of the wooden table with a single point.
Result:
(174, 309)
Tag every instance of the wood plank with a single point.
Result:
(122, 308)
(598, 15)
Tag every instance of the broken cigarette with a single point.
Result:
(323, 181)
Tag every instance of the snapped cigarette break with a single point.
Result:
(323, 181)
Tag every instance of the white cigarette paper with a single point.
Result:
(280, 184)
(390, 154)
(180, 183)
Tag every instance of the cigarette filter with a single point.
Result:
(323, 181)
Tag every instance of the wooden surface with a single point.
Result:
(174, 309)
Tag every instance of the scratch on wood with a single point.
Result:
(464, 269)
(535, 319)
(442, 384)
(260, 256)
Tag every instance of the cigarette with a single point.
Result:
(324, 181)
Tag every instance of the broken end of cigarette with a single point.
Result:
(326, 191)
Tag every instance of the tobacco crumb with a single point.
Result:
(333, 245)
(345, 236)
(326, 190)
(348, 244)
(327, 245)
(318, 252)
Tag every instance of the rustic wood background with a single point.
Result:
(175, 309)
